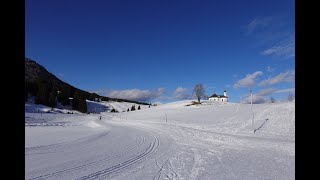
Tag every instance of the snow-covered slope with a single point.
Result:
(92, 107)
(233, 118)
(122, 106)
(168, 141)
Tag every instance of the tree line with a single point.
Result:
(49, 93)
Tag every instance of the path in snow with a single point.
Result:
(191, 145)
(93, 157)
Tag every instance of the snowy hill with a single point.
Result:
(92, 107)
(168, 141)
(227, 117)
(107, 106)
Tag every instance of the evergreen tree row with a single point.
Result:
(79, 102)
(133, 108)
(49, 94)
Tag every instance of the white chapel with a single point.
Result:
(216, 97)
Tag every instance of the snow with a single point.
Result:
(122, 106)
(92, 107)
(39, 108)
(213, 140)
(96, 107)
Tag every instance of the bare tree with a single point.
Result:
(272, 100)
(198, 92)
(290, 97)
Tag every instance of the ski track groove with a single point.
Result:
(108, 171)
(65, 144)
(237, 136)
(140, 140)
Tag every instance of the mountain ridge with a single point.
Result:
(42, 84)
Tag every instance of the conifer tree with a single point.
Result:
(133, 108)
(79, 102)
(42, 96)
(52, 98)
(64, 95)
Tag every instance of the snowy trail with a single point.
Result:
(105, 172)
(201, 154)
(92, 157)
(143, 145)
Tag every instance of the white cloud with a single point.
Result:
(258, 98)
(289, 90)
(261, 96)
(270, 69)
(282, 77)
(266, 92)
(285, 49)
(61, 74)
(180, 93)
(136, 94)
(258, 24)
(248, 81)
(255, 99)
(275, 34)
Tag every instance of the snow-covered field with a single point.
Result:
(168, 141)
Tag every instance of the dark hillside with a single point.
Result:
(45, 86)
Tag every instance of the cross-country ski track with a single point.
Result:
(146, 145)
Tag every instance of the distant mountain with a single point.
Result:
(48, 89)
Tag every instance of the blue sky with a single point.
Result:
(157, 50)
